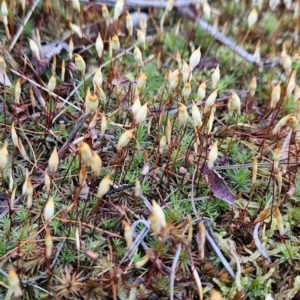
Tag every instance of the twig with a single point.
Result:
(29, 13)
(244, 166)
(188, 12)
(45, 89)
(144, 3)
(219, 253)
(173, 270)
(138, 238)
(207, 235)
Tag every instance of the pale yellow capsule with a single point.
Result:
(174, 79)
(254, 170)
(53, 161)
(104, 186)
(137, 188)
(25, 183)
(118, 9)
(125, 138)
(276, 157)
(115, 43)
(154, 224)
(49, 209)
(96, 164)
(201, 92)
(234, 104)
(186, 91)
(213, 155)
(136, 105)
(210, 101)
(100, 93)
(286, 62)
(3, 157)
(18, 91)
(47, 181)
(52, 83)
(215, 77)
(182, 114)
(279, 220)
(256, 54)
(23, 2)
(85, 153)
(97, 79)
(103, 124)
(48, 244)
(162, 144)
(76, 5)
(144, 260)
(105, 12)
(138, 56)
(169, 6)
(211, 118)
(196, 115)
(282, 122)
(99, 46)
(159, 214)
(206, 9)
(252, 86)
(141, 82)
(291, 83)
(129, 23)
(32, 97)
(14, 135)
(186, 73)
(195, 58)
(34, 48)
(128, 234)
(141, 38)
(76, 29)
(275, 96)
(141, 114)
(91, 101)
(215, 295)
(253, 17)
(292, 122)
(80, 63)
(14, 282)
(29, 193)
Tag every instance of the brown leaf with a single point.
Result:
(218, 186)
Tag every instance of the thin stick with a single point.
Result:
(173, 270)
(29, 13)
(186, 11)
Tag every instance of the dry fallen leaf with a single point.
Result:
(218, 186)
